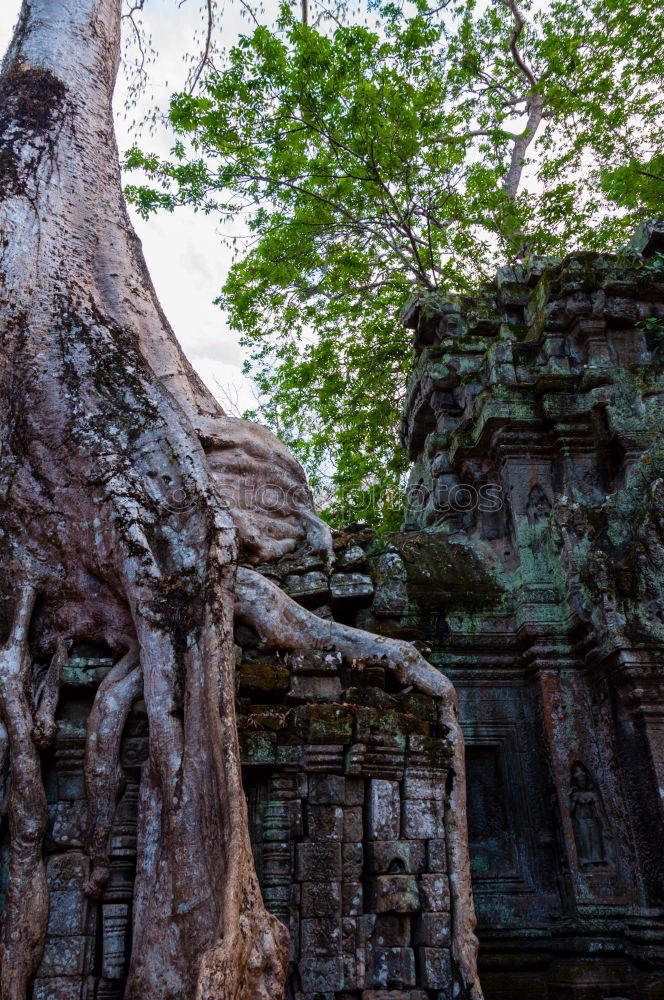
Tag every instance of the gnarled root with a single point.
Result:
(26, 905)
(103, 775)
(250, 962)
(200, 925)
(282, 623)
(4, 767)
(44, 727)
(464, 941)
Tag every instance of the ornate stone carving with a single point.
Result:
(551, 609)
(586, 811)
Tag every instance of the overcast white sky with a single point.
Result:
(183, 251)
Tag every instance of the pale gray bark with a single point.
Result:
(535, 111)
(104, 428)
(534, 105)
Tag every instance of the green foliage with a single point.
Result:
(654, 268)
(637, 185)
(653, 328)
(417, 155)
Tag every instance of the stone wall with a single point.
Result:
(88, 941)
(346, 784)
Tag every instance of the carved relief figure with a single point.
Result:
(586, 811)
(538, 506)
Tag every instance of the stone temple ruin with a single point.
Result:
(530, 569)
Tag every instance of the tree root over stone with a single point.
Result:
(249, 960)
(103, 775)
(283, 624)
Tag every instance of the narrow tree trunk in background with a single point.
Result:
(126, 498)
(535, 111)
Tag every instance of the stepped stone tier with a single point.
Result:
(530, 570)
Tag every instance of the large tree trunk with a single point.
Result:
(126, 497)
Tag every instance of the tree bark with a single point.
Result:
(535, 111)
(113, 517)
(126, 499)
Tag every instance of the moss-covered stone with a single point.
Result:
(264, 678)
(322, 723)
(257, 748)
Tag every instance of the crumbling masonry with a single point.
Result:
(530, 568)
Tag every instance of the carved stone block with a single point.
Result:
(59, 988)
(428, 754)
(434, 892)
(318, 862)
(320, 975)
(383, 856)
(306, 587)
(325, 822)
(421, 786)
(69, 824)
(265, 679)
(64, 957)
(437, 855)
(432, 929)
(321, 899)
(352, 899)
(353, 970)
(352, 558)
(277, 817)
(383, 810)
(321, 936)
(257, 749)
(434, 967)
(392, 930)
(291, 758)
(354, 792)
(67, 913)
(353, 829)
(350, 586)
(311, 688)
(378, 758)
(394, 893)
(329, 789)
(324, 758)
(422, 819)
(323, 724)
(391, 967)
(67, 871)
(391, 596)
(352, 862)
(115, 925)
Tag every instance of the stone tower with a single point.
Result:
(533, 567)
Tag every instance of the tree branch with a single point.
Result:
(206, 53)
(517, 30)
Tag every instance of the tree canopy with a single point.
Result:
(357, 166)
